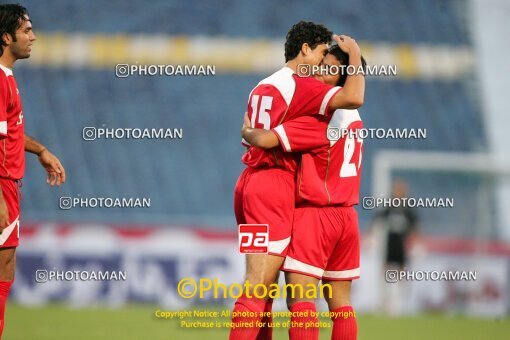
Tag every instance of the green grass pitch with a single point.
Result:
(55, 322)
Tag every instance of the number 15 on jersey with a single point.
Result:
(260, 117)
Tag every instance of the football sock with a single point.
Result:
(266, 332)
(5, 287)
(246, 317)
(303, 326)
(344, 324)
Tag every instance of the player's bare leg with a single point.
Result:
(265, 271)
(261, 269)
(7, 266)
(341, 295)
(304, 318)
(342, 313)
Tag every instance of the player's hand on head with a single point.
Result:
(55, 170)
(347, 44)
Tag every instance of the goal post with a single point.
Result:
(387, 162)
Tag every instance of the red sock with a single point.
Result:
(266, 332)
(344, 324)
(302, 323)
(247, 325)
(5, 287)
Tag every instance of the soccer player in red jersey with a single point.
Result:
(264, 192)
(16, 40)
(325, 239)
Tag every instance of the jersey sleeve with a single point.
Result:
(315, 96)
(266, 107)
(4, 104)
(303, 133)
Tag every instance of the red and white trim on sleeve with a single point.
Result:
(327, 99)
(282, 136)
(245, 143)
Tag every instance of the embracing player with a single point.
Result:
(325, 238)
(17, 38)
(264, 193)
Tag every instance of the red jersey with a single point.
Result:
(12, 133)
(330, 169)
(279, 98)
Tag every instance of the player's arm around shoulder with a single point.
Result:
(261, 138)
(50, 162)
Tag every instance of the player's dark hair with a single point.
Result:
(343, 58)
(305, 32)
(12, 17)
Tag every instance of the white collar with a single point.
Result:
(7, 71)
(288, 69)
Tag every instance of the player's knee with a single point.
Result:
(266, 277)
(261, 278)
